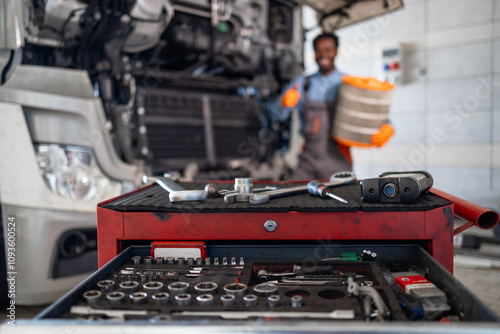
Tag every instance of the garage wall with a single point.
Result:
(446, 111)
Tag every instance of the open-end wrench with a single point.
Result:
(176, 192)
(337, 179)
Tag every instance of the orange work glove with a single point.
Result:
(291, 97)
(383, 135)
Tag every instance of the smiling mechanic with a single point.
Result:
(315, 96)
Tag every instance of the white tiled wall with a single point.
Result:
(496, 125)
(453, 13)
(447, 120)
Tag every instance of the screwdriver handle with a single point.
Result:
(318, 189)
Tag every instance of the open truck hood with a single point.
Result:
(336, 14)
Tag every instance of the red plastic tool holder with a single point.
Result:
(433, 229)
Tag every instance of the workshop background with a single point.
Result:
(446, 105)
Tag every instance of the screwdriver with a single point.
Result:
(319, 189)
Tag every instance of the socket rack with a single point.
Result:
(156, 289)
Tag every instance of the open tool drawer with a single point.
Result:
(244, 297)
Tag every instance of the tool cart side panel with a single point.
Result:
(109, 231)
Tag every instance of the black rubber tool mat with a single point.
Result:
(155, 199)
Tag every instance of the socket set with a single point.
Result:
(234, 289)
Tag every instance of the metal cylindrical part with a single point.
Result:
(129, 286)
(139, 297)
(242, 261)
(227, 300)
(274, 300)
(136, 260)
(224, 261)
(170, 260)
(265, 289)
(205, 299)
(92, 297)
(183, 299)
(190, 261)
(250, 300)
(159, 260)
(199, 261)
(296, 301)
(148, 260)
(233, 261)
(216, 261)
(153, 287)
(180, 261)
(115, 297)
(237, 289)
(207, 261)
(206, 288)
(263, 276)
(243, 185)
(161, 298)
(106, 285)
(177, 288)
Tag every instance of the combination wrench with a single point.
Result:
(337, 179)
(176, 193)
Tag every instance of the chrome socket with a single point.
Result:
(170, 260)
(148, 260)
(296, 301)
(92, 297)
(115, 297)
(274, 300)
(237, 289)
(161, 298)
(227, 300)
(106, 285)
(190, 261)
(153, 287)
(180, 261)
(183, 299)
(136, 260)
(250, 300)
(159, 260)
(178, 288)
(206, 288)
(139, 298)
(265, 289)
(243, 185)
(129, 286)
(205, 299)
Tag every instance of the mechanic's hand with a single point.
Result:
(291, 97)
(383, 135)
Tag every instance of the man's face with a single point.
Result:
(325, 50)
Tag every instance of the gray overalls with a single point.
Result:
(321, 156)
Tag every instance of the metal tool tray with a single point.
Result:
(474, 316)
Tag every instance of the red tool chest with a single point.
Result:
(146, 215)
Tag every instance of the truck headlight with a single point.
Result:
(73, 172)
